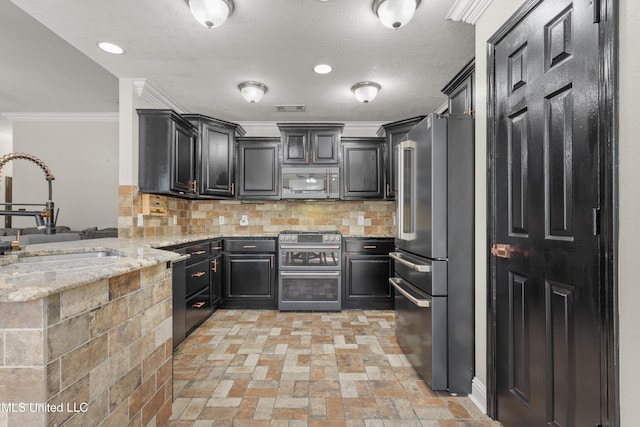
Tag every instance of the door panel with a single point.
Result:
(546, 158)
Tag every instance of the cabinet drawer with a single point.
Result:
(198, 308)
(197, 252)
(197, 277)
(250, 245)
(216, 246)
(369, 246)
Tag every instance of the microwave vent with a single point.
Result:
(291, 108)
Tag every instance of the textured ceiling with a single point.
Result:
(276, 42)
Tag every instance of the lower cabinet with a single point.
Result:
(250, 274)
(367, 268)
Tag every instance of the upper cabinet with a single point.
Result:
(167, 153)
(215, 151)
(460, 91)
(258, 170)
(362, 168)
(395, 133)
(310, 143)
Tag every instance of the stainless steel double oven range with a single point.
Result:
(309, 271)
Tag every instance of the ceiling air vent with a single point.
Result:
(291, 108)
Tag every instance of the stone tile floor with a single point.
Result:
(264, 368)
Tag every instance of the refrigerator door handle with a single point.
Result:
(422, 268)
(397, 284)
(403, 186)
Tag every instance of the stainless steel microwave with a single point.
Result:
(314, 182)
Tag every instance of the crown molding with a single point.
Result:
(60, 117)
(468, 11)
(270, 129)
(152, 94)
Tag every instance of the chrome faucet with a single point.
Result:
(44, 218)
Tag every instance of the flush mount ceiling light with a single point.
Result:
(395, 13)
(252, 91)
(322, 68)
(365, 91)
(111, 48)
(211, 13)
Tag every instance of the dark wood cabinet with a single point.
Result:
(216, 279)
(362, 168)
(305, 144)
(460, 89)
(395, 133)
(167, 153)
(367, 268)
(258, 172)
(249, 274)
(216, 155)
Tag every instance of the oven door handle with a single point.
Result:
(422, 268)
(397, 284)
(306, 274)
(310, 247)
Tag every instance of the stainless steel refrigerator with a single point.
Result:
(433, 258)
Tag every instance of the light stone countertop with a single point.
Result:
(30, 281)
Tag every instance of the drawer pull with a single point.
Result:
(422, 268)
(249, 246)
(198, 274)
(369, 246)
(198, 304)
(198, 252)
(216, 248)
(215, 266)
(396, 283)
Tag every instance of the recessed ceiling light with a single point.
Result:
(322, 68)
(111, 48)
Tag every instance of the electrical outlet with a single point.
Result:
(244, 220)
(221, 220)
(175, 220)
(140, 220)
(360, 219)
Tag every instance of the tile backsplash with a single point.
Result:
(223, 217)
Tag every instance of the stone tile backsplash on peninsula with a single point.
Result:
(265, 217)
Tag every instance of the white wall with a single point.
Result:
(83, 157)
(629, 267)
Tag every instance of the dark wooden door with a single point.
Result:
(546, 199)
(184, 155)
(258, 169)
(216, 161)
(362, 169)
(324, 146)
(295, 147)
(250, 281)
(216, 280)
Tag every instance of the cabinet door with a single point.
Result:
(362, 171)
(295, 147)
(461, 99)
(250, 281)
(324, 146)
(183, 177)
(396, 133)
(258, 170)
(216, 280)
(367, 282)
(216, 157)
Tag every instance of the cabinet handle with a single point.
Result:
(198, 304)
(306, 157)
(215, 266)
(233, 189)
(194, 183)
(249, 246)
(369, 246)
(314, 157)
(198, 252)
(388, 190)
(198, 274)
(216, 248)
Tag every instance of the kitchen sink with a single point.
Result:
(76, 256)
